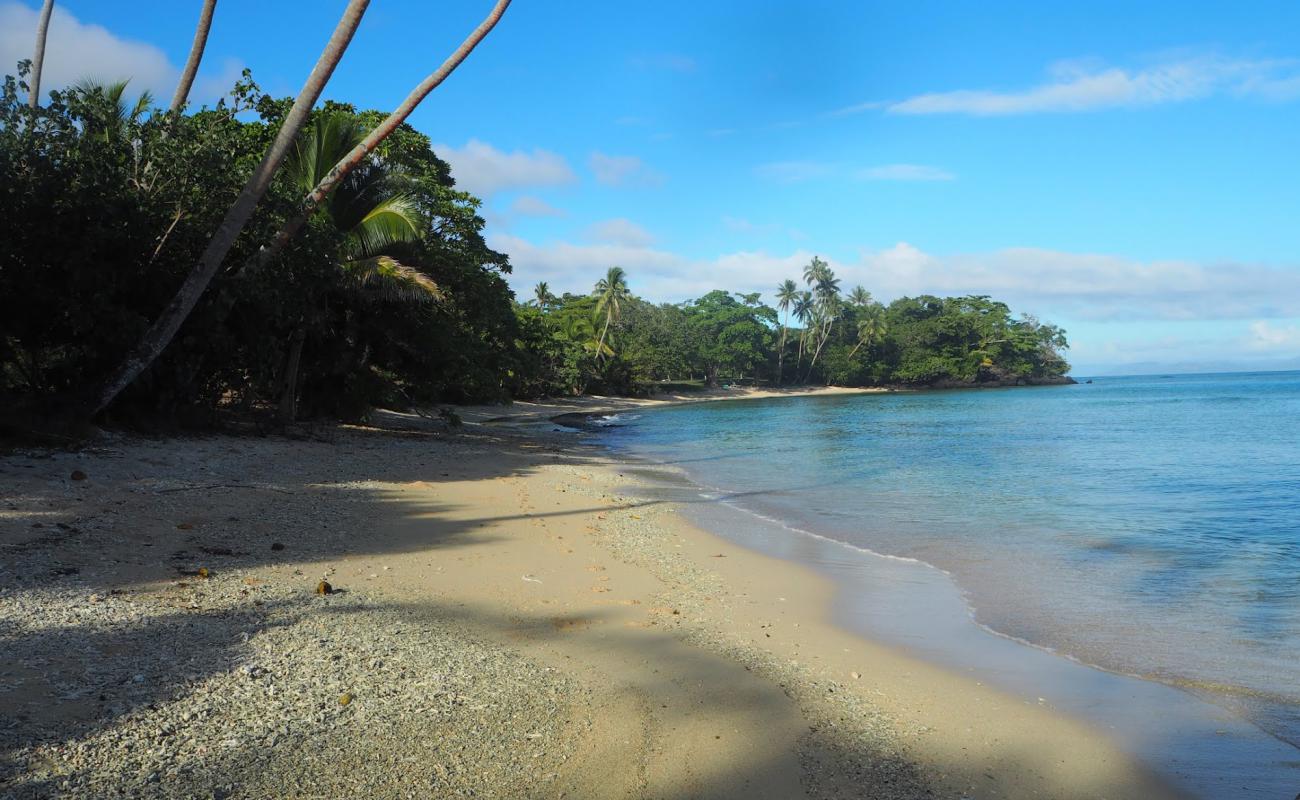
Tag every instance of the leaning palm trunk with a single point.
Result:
(196, 55)
(821, 342)
(164, 328)
(600, 346)
(359, 153)
(38, 56)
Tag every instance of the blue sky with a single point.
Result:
(1130, 173)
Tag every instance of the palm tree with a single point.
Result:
(196, 55)
(860, 297)
(121, 114)
(803, 311)
(611, 291)
(871, 327)
(359, 153)
(826, 291)
(582, 330)
(372, 220)
(161, 332)
(544, 296)
(38, 56)
(786, 293)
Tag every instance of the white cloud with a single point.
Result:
(528, 206)
(1076, 86)
(622, 171)
(1050, 283)
(793, 171)
(620, 231)
(1264, 336)
(905, 172)
(75, 50)
(742, 225)
(480, 168)
(1092, 286)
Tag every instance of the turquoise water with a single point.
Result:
(1146, 525)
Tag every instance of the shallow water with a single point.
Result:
(1150, 526)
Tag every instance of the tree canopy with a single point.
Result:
(391, 295)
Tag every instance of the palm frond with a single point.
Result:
(392, 280)
(390, 221)
(321, 147)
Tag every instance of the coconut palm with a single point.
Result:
(871, 328)
(196, 55)
(803, 307)
(359, 154)
(164, 328)
(786, 293)
(826, 294)
(860, 297)
(543, 294)
(373, 220)
(38, 55)
(117, 114)
(582, 330)
(611, 292)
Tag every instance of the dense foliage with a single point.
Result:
(390, 294)
(734, 338)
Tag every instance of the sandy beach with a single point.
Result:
(503, 620)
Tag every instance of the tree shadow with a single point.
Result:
(169, 502)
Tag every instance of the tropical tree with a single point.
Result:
(803, 311)
(826, 293)
(542, 292)
(582, 330)
(611, 292)
(786, 293)
(871, 328)
(164, 328)
(196, 56)
(117, 114)
(38, 55)
(859, 297)
(372, 219)
(381, 132)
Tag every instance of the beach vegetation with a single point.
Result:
(383, 291)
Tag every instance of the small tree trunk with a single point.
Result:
(289, 397)
(359, 153)
(196, 56)
(164, 328)
(780, 359)
(38, 56)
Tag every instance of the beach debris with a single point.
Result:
(185, 526)
(324, 588)
(203, 573)
(78, 475)
(855, 675)
(531, 579)
(277, 546)
(345, 698)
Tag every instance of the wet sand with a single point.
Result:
(683, 665)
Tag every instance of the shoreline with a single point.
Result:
(1192, 745)
(597, 645)
(1200, 745)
